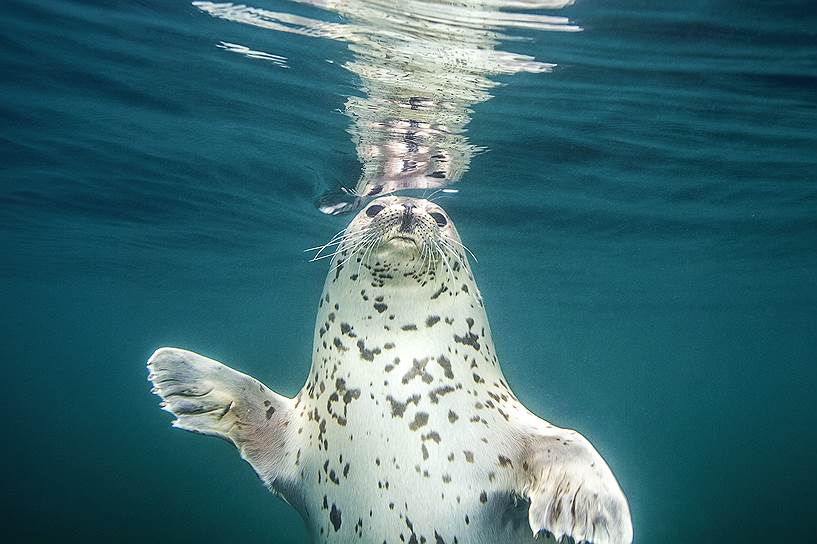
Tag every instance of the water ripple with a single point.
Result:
(251, 54)
(421, 67)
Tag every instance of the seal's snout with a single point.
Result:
(408, 217)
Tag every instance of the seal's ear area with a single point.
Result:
(572, 491)
(210, 398)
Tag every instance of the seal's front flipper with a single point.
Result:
(210, 398)
(572, 490)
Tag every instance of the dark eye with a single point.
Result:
(374, 209)
(439, 218)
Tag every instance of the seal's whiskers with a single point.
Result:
(334, 236)
(353, 250)
(367, 252)
(428, 260)
(444, 259)
(338, 240)
(454, 251)
(424, 256)
(432, 262)
(448, 238)
(353, 237)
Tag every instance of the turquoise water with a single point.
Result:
(644, 213)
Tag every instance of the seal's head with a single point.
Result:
(397, 239)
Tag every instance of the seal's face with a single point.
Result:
(404, 225)
(412, 237)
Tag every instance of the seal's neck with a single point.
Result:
(368, 321)
(414, 292)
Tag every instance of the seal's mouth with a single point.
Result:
(403, 239)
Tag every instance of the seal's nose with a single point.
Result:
(408, 215)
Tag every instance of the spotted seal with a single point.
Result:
(406, 430)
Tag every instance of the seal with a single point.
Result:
(406, 430)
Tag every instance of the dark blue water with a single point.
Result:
(645, 217)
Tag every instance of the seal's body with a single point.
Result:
(406, 430)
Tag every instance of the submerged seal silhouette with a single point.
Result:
(406, 430)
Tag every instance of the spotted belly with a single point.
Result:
(382, 469)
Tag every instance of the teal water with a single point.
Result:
(644, 213)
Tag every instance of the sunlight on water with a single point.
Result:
(421, 66)
(252, 54)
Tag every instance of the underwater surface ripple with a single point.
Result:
(639, 185)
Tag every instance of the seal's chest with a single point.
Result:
(380, 487)
(392, 454)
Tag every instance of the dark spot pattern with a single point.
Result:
(335, 517)
(398, 408)
(420, 420)
(418, 369)
(445, 363)
(365, 353)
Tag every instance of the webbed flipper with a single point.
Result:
(210, 398)
(572, 491)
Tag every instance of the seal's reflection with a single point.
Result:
(422, 64)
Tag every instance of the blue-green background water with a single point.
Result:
(645, 219)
